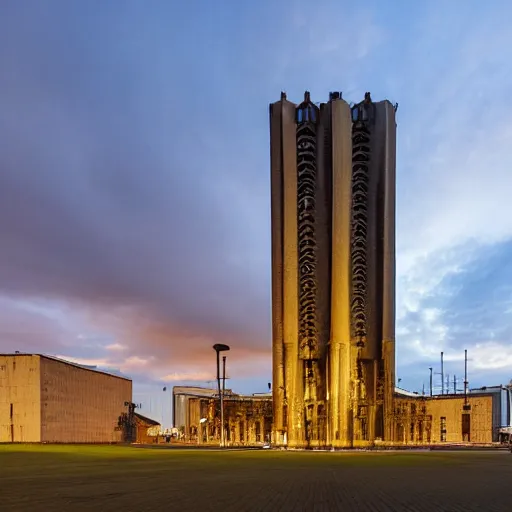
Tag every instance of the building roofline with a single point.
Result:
(483, 389)
(70, 363)
(147, 420)
(201, 392)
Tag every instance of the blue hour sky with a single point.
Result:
(134, 177)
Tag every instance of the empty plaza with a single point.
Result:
(41, 478)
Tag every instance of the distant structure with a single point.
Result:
(147, 429)
(49, 400)
(482, 416)
(247, 418)
(333, 271)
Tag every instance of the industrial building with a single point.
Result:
(247, 418)
(147, 429)
(482, 416)
(333, 271)
(44, 399)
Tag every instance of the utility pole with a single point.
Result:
(223, 375)
(442, 374)
(223, 396)
(466, 406)
(430, 381)
(219, 347)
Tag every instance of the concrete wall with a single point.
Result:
(248, 420)
(419, 420)
(481, 423)
(180, 418)
(181, 396)
(20, 412)
(80, 405)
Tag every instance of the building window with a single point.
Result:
(364, 429)
(306, 114)
(257, 428)
(242, 427)
(420, 431)
(12, 412)
(443, 429)
(321, 423)
(412, 432)
(400, 433)
(466, 427)
(428, 428)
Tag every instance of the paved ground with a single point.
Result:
(67, 478)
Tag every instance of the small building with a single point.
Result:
(247, 418)
(479, 417)
(502, 410)
(181, 405)
(147, 430)
(44, 399)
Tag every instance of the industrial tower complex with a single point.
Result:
(333, 271)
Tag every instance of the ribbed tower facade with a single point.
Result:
(333, 271)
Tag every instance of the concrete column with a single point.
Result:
(293, 371)
(339, 393)
(388, 300)
(277, 171)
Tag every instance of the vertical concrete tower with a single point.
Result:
(333, 271)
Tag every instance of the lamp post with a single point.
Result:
(220, 347)
(202, 422)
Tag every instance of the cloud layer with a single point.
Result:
(134, 176)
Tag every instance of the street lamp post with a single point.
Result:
(202, 425)
(220, 347)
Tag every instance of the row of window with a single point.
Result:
(308, 114)
(417, 430)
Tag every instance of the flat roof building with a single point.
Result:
(50, 400)
(481, 416)
(247, 418)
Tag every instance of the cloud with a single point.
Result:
(189, 377)
(453, 211)
(116, 347)
(152, 231)
(113, 208)
(134, 182)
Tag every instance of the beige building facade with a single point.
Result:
(445, 419)
(247, 418)
(45, 399)
(416, 420)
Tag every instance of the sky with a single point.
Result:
(135, 192)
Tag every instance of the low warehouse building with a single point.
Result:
(247, 418)
(49, 400)
(478, 417)
(148, 430)
(483, 416)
